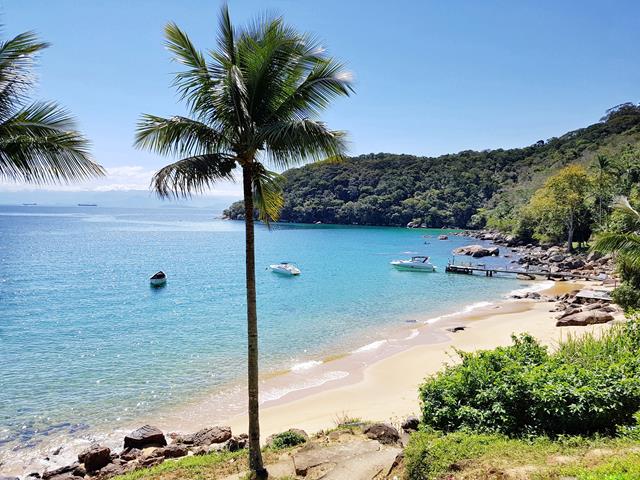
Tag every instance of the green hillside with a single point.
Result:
(456, 190)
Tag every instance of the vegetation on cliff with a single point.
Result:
(467, 189)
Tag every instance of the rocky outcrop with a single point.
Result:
(477, 251)
(382, 432)
(146, 436)
(95, 457)
(581, 318)
(206, 436)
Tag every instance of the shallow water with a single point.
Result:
(85, 343)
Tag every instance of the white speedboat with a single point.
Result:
(285, 268)
(158, 279)
(418, 263)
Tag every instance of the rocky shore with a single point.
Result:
(148, 446)
(552, 259)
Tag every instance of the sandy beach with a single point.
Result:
(387, 390)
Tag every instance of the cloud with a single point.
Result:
(120, 178)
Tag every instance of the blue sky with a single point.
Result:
(432, 77)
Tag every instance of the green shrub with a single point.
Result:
(590, 385)
(627, 296)
(287, 439)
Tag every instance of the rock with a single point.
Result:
(2, 477)
(456, 329)
(114, 469)
(173, 451)
(146, 436)
(411, 424)
(95, 457)
(130, 454)
(443, 237)
(238, 442)
(477, 251)
(557, 258)
(585, 318)
(382, 432)
(206, 436)
(66, 471)
(569, 311)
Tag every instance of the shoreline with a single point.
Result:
(368, 387)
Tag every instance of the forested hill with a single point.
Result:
(456, 190)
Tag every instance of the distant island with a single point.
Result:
(87, 204)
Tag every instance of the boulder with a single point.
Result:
(130, 454)
(382, 432)
(477, 251)
(173, 451)
(66, 472)
(443, 237)
(411, 424)
(585, 318)
(95, 457)
(557, 258)
(237, 442)
(206, 436)
(146, 436)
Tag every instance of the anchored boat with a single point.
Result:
(419, 263)
(285, 268)
(158, 279)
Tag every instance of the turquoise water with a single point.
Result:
(85, 342)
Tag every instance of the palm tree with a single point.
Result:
(38, 140)
(625, 244)
(603, 169)
(255, 99)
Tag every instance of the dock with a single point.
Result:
(491, 271)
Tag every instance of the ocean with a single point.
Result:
(86, 344)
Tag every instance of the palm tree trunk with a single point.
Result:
(255, 455)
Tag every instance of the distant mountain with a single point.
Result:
(458, 190)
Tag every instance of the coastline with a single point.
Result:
(383, 384)
(377, 381)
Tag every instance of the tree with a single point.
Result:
(38, 140)
(254, 99)
(603, 187)
(560, 207)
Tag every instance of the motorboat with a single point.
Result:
(418, 263)
(285, 268)
(158, 279)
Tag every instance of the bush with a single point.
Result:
(590, 385)
(287, 439)
(627, 296)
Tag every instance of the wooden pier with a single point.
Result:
(491, 271)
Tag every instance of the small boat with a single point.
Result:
(418, 263)
(158, 279)
(285, 268)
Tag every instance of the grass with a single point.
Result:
(465, 456)
(203, 467)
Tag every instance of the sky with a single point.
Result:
(431, 77)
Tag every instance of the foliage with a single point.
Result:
(627, 296)
(39, 142)
(466, 455)
(466, 189)
(287, 439)
(589, 385)
(559, 208)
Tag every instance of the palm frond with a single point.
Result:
(52, 158)
(290, 143)
(226, 37)
(17, 59)
(38, 119)
(191, 175)
(195, 84)
(622, 204)
(267, 193)
(178, 136)
(625, 244)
